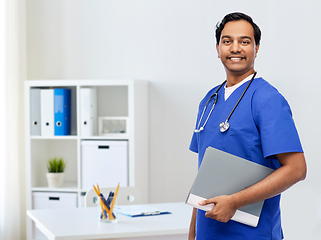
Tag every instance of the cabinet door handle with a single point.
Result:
(54, 198)
(103, 147)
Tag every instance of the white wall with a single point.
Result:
(171, 44)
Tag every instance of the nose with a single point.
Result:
(235, 47)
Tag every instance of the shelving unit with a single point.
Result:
(121, 98)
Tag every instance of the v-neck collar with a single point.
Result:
(228, 91)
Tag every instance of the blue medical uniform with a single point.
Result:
(260, 127)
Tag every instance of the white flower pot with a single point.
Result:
(55, 180)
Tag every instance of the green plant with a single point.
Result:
(56, 165)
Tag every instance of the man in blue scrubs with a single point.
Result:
(261, 130)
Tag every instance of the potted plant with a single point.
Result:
(55, 174)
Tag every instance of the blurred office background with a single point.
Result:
(171, 44)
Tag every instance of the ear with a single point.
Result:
(218, 50)
(257, 49)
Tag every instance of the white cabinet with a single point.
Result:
(50, 200)
(104, 162)
(126, 99)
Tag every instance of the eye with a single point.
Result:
(245, 42)
(226, 41)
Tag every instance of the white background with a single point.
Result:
(171, 43)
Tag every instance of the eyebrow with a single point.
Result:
(242, 37)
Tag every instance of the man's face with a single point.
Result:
(237, 49)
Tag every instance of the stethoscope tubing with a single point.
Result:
(215, 96)
(224, 126)
(248, 85)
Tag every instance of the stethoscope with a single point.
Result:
(224, 126)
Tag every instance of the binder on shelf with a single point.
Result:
(47, 112)
(62, 108)
(35, 118)
(88, 111)
(222, 173)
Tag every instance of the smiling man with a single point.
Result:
(252, 120)
(237, 50)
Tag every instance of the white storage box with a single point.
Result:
(104, 163)
(50, 200)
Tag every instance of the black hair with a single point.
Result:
(236, 17)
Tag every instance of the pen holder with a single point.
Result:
(106, 209)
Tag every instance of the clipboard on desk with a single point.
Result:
(222, 173)
(139, 211)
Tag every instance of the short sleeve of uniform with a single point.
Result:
(194, 145)
(194, 142)
(273, 117)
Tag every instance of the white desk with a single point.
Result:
(83, 223)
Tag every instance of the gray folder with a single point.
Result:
(222, 173)
(35, 125)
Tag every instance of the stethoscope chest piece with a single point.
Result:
(224, 126)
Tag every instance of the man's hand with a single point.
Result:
(293, 169)
(223, 210)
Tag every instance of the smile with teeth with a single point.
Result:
(235, 59)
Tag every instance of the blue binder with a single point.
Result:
(62, 111)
